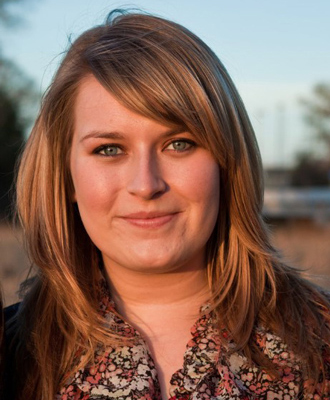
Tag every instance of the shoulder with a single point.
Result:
(11, 311)
(9, 363)
(286, 381)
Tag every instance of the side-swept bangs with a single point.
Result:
(164, 72)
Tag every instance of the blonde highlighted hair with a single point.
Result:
(162, 71)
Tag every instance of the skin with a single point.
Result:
(148, 196)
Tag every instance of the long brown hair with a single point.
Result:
(162, 71)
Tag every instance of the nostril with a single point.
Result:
(151, 190)
(146, 181)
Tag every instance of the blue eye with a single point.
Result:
(180, 145)
(109, 150)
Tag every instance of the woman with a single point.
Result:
(140, 195)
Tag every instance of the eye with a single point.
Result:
(180, 145)
(109, 150)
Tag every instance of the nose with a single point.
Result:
(146, 180)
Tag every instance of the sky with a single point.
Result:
(275, 51)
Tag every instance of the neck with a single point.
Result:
(181, 291)
(162, 307)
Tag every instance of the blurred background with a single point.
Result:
(278, 54)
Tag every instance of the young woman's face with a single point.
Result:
(148, 194)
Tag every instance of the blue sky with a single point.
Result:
(274, 50)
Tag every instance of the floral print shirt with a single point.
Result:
(209, 371)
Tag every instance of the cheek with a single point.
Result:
(211, 188)
(93, 188)
(204, 184)
(208, 192)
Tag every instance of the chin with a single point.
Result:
(148, 265)
(154, 266)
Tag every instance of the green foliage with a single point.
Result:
(17, 95)
(20, 89)
(17, 99)
(11, 140)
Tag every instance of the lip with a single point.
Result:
(149, 219)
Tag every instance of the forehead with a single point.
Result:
(97, 110)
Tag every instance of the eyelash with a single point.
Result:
(99, 150)
(191, 144)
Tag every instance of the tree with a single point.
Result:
(310, 171)
(17, 95)
(313, 168)
(7, 17)
(317, 114)
(11, 140)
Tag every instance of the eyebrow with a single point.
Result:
(102, 135)
(119, 136)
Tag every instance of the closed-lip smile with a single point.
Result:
(150, 219)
